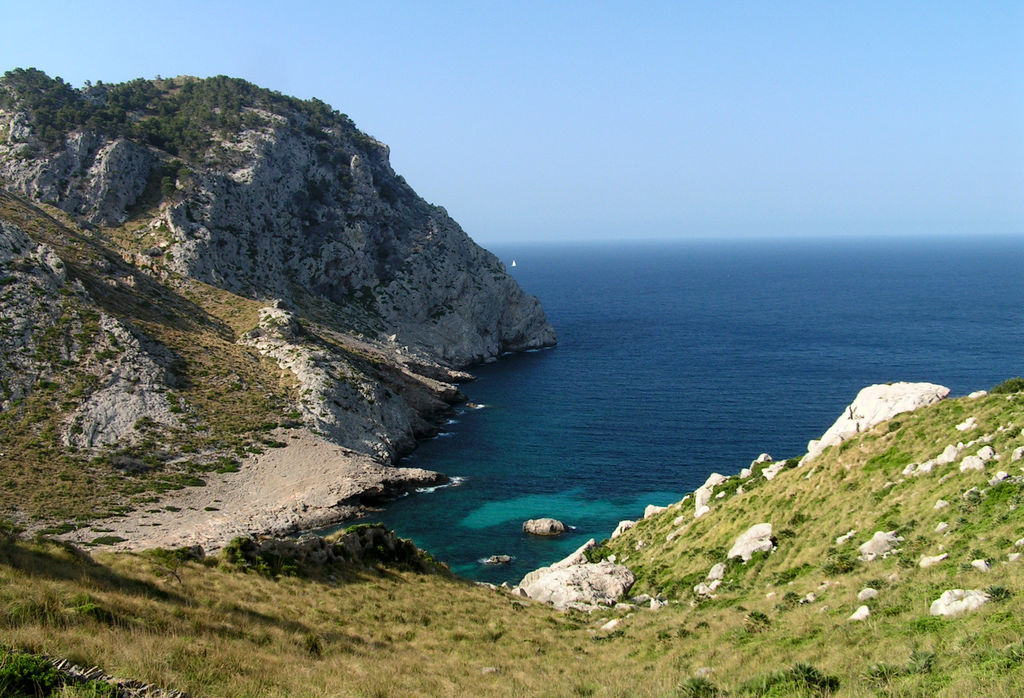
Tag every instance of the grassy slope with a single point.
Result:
(224, 632)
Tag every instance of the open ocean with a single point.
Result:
(676, 360)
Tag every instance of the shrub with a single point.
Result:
(24, 674)
(1012, 385)
(698, 687)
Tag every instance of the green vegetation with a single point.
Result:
(253, 623)
(178, 116)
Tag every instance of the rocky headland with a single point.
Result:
(202, 277)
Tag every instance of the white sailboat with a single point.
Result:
(513, 262)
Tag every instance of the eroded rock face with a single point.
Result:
(281, 209)
(874, 405)
(293, 207)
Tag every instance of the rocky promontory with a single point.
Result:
(189, 265)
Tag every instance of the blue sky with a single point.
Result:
(596, 120)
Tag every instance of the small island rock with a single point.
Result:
(544, 527)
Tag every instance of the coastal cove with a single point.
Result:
(676, 360)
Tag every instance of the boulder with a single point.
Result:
(866, 594)
(929, 560)
(967, 424)
(940, 504)
(941, 526)
(717, 572)
(544, 527)
(622, 528)
(846, 536)
(976, 394)
(881, 543)
(498, 560)
(861, 613)
(757, 538)
(703, 494)
(653, 510)
(1018, 454)
(707, 589)
(971, 463)
(583, 585)
(577, 557)
(981, 565)
(956, 601)
(874, 405)
(948, 455)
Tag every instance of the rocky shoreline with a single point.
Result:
(308, 483)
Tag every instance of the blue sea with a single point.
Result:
(676, 360)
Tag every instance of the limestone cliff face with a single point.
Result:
(288, 205)
(366, 297)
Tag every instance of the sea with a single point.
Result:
(679, 359)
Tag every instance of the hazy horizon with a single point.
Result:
(595, 121)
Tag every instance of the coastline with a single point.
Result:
(308, 483)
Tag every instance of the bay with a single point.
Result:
(680, 359)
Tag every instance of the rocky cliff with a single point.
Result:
(187, 262)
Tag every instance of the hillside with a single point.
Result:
(777, 625)
(197, 271)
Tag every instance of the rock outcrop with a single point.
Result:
(874, 405)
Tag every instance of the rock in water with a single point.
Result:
(874, 405)
(544, 527)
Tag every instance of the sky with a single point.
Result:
(596, 120)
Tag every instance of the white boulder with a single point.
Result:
(861, 613)
(622, 528)
(717, 572)
(971, 463)
(940, 504)
(956, 601)
(653, 510)
(583, 585)
(874, 405)
(987, 453)
(846, 536)
(1018, 454)
(981, 565)
(703, 494)
(948, 455)
(929, 560)
(757, 538)
(881, 543)
(967, 424)
(866, 594)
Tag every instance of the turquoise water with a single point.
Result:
(676, 360)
